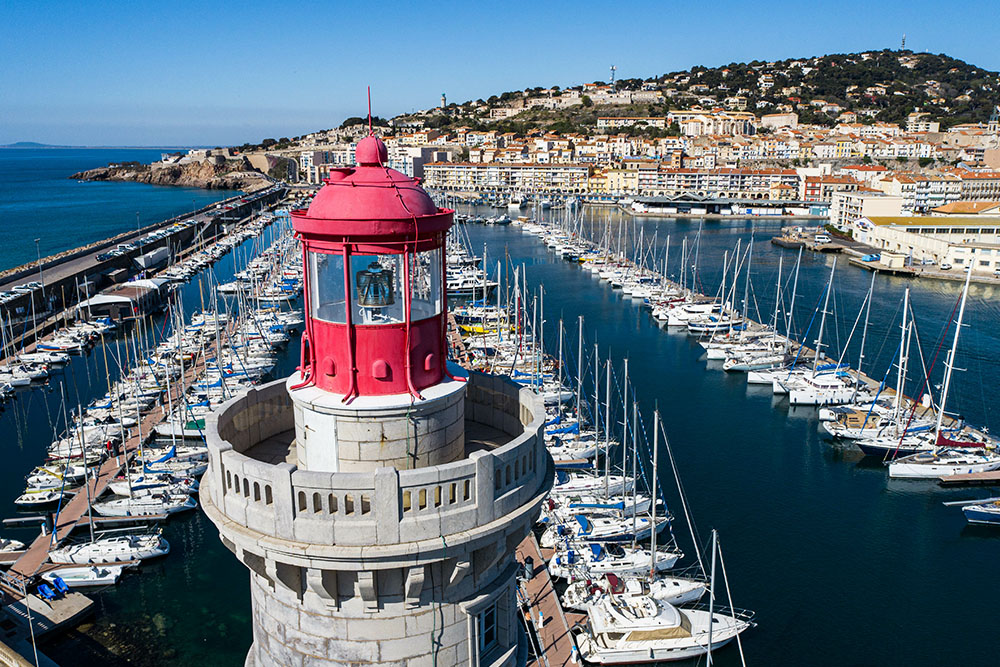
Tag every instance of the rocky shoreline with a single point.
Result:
(229, 175)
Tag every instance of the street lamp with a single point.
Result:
(137, 228)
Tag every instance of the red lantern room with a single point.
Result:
(373, 246)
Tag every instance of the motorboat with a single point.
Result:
(643, 630)
(87, 576)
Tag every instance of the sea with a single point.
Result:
(38, 200)
(841, 565)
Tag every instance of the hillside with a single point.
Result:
(876, 85)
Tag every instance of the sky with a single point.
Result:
(213, 73)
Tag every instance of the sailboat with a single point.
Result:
(113, 549)
(582, 594)
(948, 457)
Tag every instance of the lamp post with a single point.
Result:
(137, 227)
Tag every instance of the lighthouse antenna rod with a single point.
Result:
(370, 130)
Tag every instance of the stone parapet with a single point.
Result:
(387, 506)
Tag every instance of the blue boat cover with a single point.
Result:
(584, 524)
(169, 455)
(598, 550)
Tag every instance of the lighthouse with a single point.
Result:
(377, 495)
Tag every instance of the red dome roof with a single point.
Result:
(370, 191)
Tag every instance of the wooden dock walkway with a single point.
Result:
(989, 478)
(553, 630)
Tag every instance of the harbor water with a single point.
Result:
(842, 566)
(39, 200)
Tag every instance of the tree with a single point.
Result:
(866, 159)
(925, 161)
(586, 101)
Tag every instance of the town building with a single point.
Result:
(514, 177)
(846, 206)
(960, 242)
(922, 192)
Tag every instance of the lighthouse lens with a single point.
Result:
(376, 290)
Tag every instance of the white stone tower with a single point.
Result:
(377, 495)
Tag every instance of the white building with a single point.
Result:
(960, 242)
(847, 207)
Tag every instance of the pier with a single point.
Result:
(74, 275)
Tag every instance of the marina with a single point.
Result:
(539, 264)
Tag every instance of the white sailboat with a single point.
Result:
(114, 549)
(948, 457)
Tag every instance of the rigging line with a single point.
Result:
(729, 596)
(927, 375)
(683, 498)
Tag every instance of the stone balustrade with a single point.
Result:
(384, 507)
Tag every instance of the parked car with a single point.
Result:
(946, 266)
(105, 256)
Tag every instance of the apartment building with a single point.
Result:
(922, 192)
(822, 188)
(979, 185)
(614, 123)
(471, 177)
(848, 206)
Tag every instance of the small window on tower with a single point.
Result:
(425, 284)
(327, 296)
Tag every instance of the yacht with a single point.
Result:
(643, 630)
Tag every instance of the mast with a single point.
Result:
(666, 259)
(653, 491)
(635, 472)
(579, 373)
(777, 304)
(711, 592)
(949, 363)
(864, 333)
(625, 425)
(607, 425)
(822, 321)
(559, 384)
(900, 373)
(791, 306)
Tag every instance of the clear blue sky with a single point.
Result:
(144, 73)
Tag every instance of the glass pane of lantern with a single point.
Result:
(376, 289)
(425, 284)
(327, 295)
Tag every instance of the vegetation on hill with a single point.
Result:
(880, 85)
